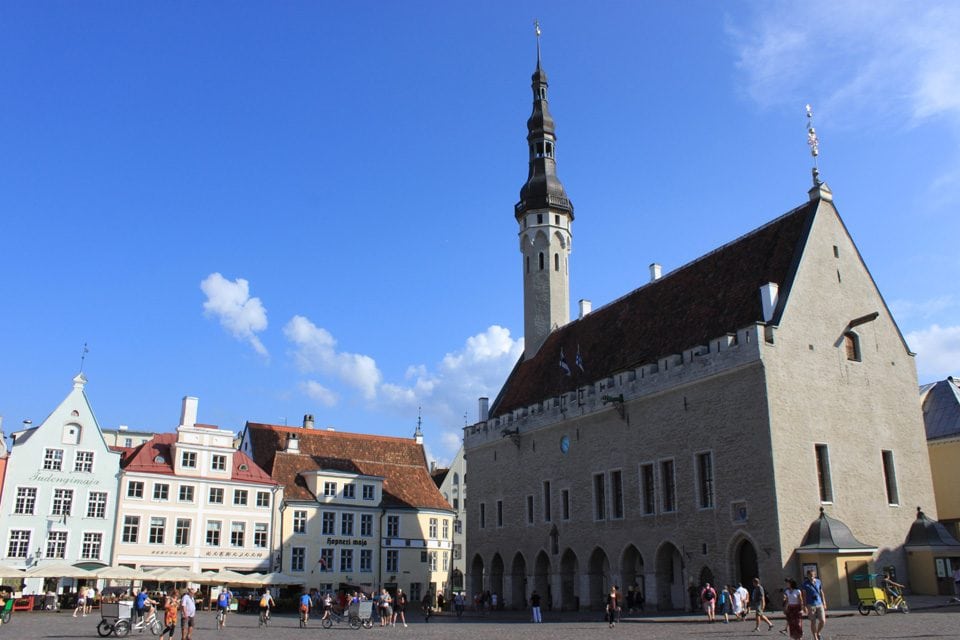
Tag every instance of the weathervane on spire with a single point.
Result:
(814, 144)
(83, 355)
(536, 29)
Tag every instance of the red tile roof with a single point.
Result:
(716, 294)
(144, 459)
(401, 462)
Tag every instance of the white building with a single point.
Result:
(60, 492)
(452, 482)
(190, 500)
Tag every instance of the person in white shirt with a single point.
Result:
(741, 601)
(188, 609)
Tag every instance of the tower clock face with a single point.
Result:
(564, 444)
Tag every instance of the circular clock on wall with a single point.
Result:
(565, 444)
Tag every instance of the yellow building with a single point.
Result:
(941, 417)
(359, 512)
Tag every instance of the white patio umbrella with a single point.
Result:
(6, 571)
(120, 573)
(226, 576)
(173, 574)
(277, 578)
(59, 569)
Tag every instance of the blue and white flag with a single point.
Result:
(579, 359)
(563, 362)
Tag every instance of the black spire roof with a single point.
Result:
(925, 532)
(828, 534)
(543, 188)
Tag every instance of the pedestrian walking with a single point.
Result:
(816, 603)
(724, 602)
(794, 609)
(81, 602)
(613, 605)
(458, 603)
(427, 605)
(708, 598)
(400, 607)
(170, 608)
(188, 613)
(535, 606)
(759, 600)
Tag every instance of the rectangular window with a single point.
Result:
(346, 524)
(366, 525)
(565, 504)
(215, 496)
(218, 462)
(616, 487)
(446, 529)
(260, 535)
(705, 480)
(457, 550)
(668, 495)
(56, 544)
(131, 529)
(91, 546)
(188, 459)
(499, 513)
(19, 544)
(368, 492)
(393, 526)
(456, 504)
(823, 472)
(299, 521)
(181, 535)
(446, 561)
(457, 526)
(432, 528)
(134, 489)
(298, 558)
(330, 489)
(263, 498)
(890, 478)
(97, 504)
(83, 462)
(599, 496)
(350, 491)
(186, 493)
(213, 533)
(648, 495)
(346, 560)
(53, 459)
(326, 559)
(161, 491)
(239, 497)
(158, 528)
(366, 560)
(529, 509)
(432, 559)
(547, 513)
(62, 502)
(393, 561)
(238, 531)
(483, 515)
(328, 521)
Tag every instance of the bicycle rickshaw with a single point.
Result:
(115, 618)
(874, 598)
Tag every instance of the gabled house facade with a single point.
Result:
(60, 492)
(189, 500)
(359, 512)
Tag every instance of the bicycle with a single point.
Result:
(221, 618)
(148, 621)
(264, 619)
(304, 613)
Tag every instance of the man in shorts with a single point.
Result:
(759, 600)
(188, 609)
(816, 603)
(223, 603)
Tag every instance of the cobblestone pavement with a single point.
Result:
(932, 623)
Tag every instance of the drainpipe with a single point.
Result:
(380, 561)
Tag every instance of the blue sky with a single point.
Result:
(302, 207)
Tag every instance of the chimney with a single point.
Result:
(484, 410)
(293, 443)
(122, 427)
(188, 411)
(433, 466)
(585, 307)
(655, 271)
(308, 421)
(769, 294)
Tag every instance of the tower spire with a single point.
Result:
(544, 214)
(819, 191)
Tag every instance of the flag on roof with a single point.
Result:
(563, 362)
(579, 360)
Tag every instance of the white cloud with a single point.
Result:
(862, 63)
(315, 390)
(938, 351)
(459, 379)
(316, 350)
(238, 313)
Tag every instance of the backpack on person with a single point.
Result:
(708, 594)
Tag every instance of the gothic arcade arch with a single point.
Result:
(476, 575)
(541, 578)
(496, 576)
(743, 557)
(631, 569)
(599, 572)
(518, 583)
(668, 565)
(569, 581)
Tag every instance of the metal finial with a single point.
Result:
(419, 432)
(536, 29)
(83, 355)
(814, 143)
